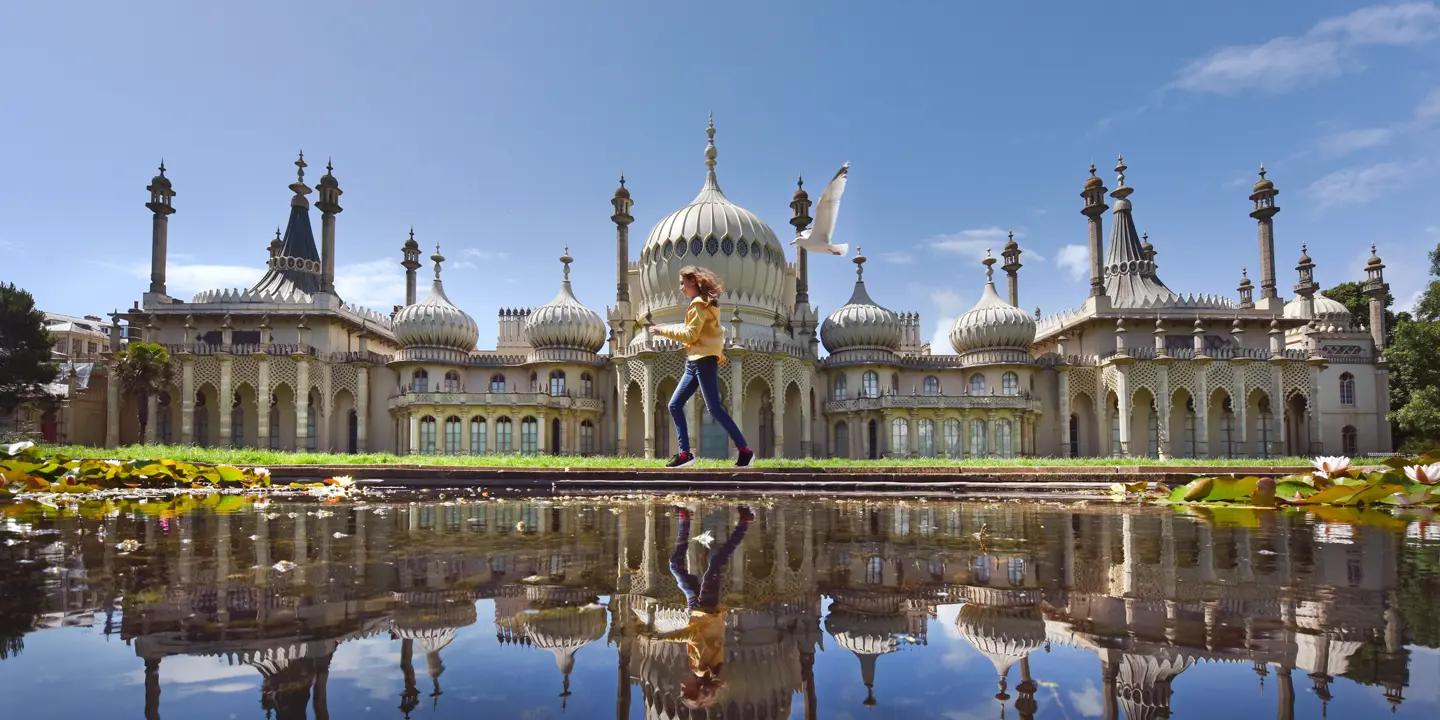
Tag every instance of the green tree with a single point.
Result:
(1352, 296)
(25, 362)
(1414, 356)
(143, 370)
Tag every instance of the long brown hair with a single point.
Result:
(704, 281)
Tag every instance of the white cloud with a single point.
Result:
(1088, 702)
(375, 284)
(1428, 111)
(182, 280)
(972, 243)
(1348, 141)
(1285, 63)
(1074, 259)
(1358, 185)
(948, 306)
(897, 258)
(485, 255)
(462, 265)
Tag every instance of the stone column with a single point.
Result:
(1279, 442)
(807, 440)
(1064, 399)
(262, 401)
(226, 399)
(1202, 413)
(1017, 435)
(942, 449)
(262, 550)
(414, 421)
(302, 401)
(1312, 406)
(1122, 394)
(778, 391)
(992, 442)
(622, 419)
(152, 410)
(1382, 405)
(112, 406)
(324, 408)
(362, 408)
(542, 432)
(187, 400)
(647, 400)
(1162, 411)
(912, 432)
(1241, 406)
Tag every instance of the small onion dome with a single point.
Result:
(992, 323)
(435, 321)
(861, 324)
(1304, 255)
(1093, 182)
(622, 191)
(800, 193)
(1005, 635)
(1328, 313)
(1263, 184)
(1374, 260)
(160, 181)
(563, 323)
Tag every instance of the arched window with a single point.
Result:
(274, 422)
(504, 435)
(894, 383)
(452, 381)
(237, 422)
(1227, 428)
(202, 421)
(1016, 571)
(874, 570)
(1010, 384)
(534, 382)
(982, 570)
(1190, 421)
(840, 391)
(870, 384)
(899, 437)
(952, 438)
(926, 430)
(1263, 429)
(587, 385)
(1152, 432)
(557, 383)
(427, 435)
(978, 445)
(1349, 441)
(1002, 439)
(900, 522)
(842, 440)
(1074, 435)
(477, 436)
(1115, 429)
(164, 424)
(312, 417)
(931, 386)
(529, 436)
(497, 383)
(452, 435)
(977, 384)
(420, 380)
(1347, 389)
(587, 437)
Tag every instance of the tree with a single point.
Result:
(143, 369)
(1415, 368)
(1352, 296)
(25, 363)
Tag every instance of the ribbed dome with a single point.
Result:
(992, 323)
(564, 323)
(1328, 313)
(435, 321)
(1002, 634)
(714, 233)
(861, 324)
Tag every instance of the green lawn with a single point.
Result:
(244, 456)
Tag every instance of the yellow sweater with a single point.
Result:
(701, 334)
(704, 637)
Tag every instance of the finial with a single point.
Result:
(162, 167)
(277, 233)
(800, 183)
(710, 151)
(1092, 168)
(1120, 169)
(989, 263)
(1244, 272)
(1304, 249)
(859, 264)
(437, 258)
(1372, 248)
(301, 165)
(565, 260)
(1262, 171)
(329, 166)
(622, 178)
(1012, 235)
(412, 232)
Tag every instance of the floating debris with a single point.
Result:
(705, 539)
(284, 566)
(127, 546)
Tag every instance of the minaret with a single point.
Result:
(1265, 209)
(1012, 267)
(1307, 286)
(1094, 195)
(1377, 291)
(161, 205)
(329, 205)
(1246, 289)
(800, 204)
(622, 220)
(411, 263)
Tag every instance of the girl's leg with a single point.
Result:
(708, 370)
(689, 584)
(683, 392)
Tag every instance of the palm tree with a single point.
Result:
(144, 370)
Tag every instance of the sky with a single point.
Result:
(498, 130)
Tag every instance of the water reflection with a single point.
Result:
(1124, 603)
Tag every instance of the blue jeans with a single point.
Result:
(703, 594)
(705, 373)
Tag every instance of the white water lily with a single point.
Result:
(261, 472)
(705, 539)
(1329, 467)
(19, 447)
(343, 480)
(1415, 498)
(1424, 474)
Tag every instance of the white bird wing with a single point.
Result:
(829, 207)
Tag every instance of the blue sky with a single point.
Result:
(498, 130)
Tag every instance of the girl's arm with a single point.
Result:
(688, 333)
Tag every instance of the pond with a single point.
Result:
(418, 606)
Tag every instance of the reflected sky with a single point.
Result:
(549, 609)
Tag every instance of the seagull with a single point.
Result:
(817, 238)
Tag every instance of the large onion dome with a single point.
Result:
(1330, 315)
(861, 324)
(1004, 635)
(993, 326)
(714, 233)
(435, 323)
(563, 325)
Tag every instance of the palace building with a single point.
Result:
(1136, 369)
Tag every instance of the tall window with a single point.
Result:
(477, 436)
(1349, 441)
(452, 381)
(899, 437)
(529, 436)
(534, 382)
(164, 424)
(926, 430)
(1074, 435)
(842, 440)
(931, 386)
(1010, 384)
(237, 422)
(420, 380)
(874, 570)
(1002, 439)
(870, 384)
(1347, 389)
(1190, 420)
(587, 385)
(504, 435)
(982, 570)
(452, 435)
(587, 437)
(311, 419)
(1152, 432)
(427, 435)
(952, 438)
(978, 445)
(497, 383)
(840, 391)
(1227, 428)
(557, 383)
(977, 384)
(1016, 571)
(202, 421)
(894, 383)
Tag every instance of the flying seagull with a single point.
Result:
(817, 238)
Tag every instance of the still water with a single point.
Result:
(618, 608)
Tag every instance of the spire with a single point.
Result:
(989, 263)
(300, 270)
(299, 187)
(1121, 191)
(565, 260)
(711, 192)
(437, 258)
(1129, 270)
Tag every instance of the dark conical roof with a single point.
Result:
(298, 242)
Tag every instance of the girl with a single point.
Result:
(704, 341)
